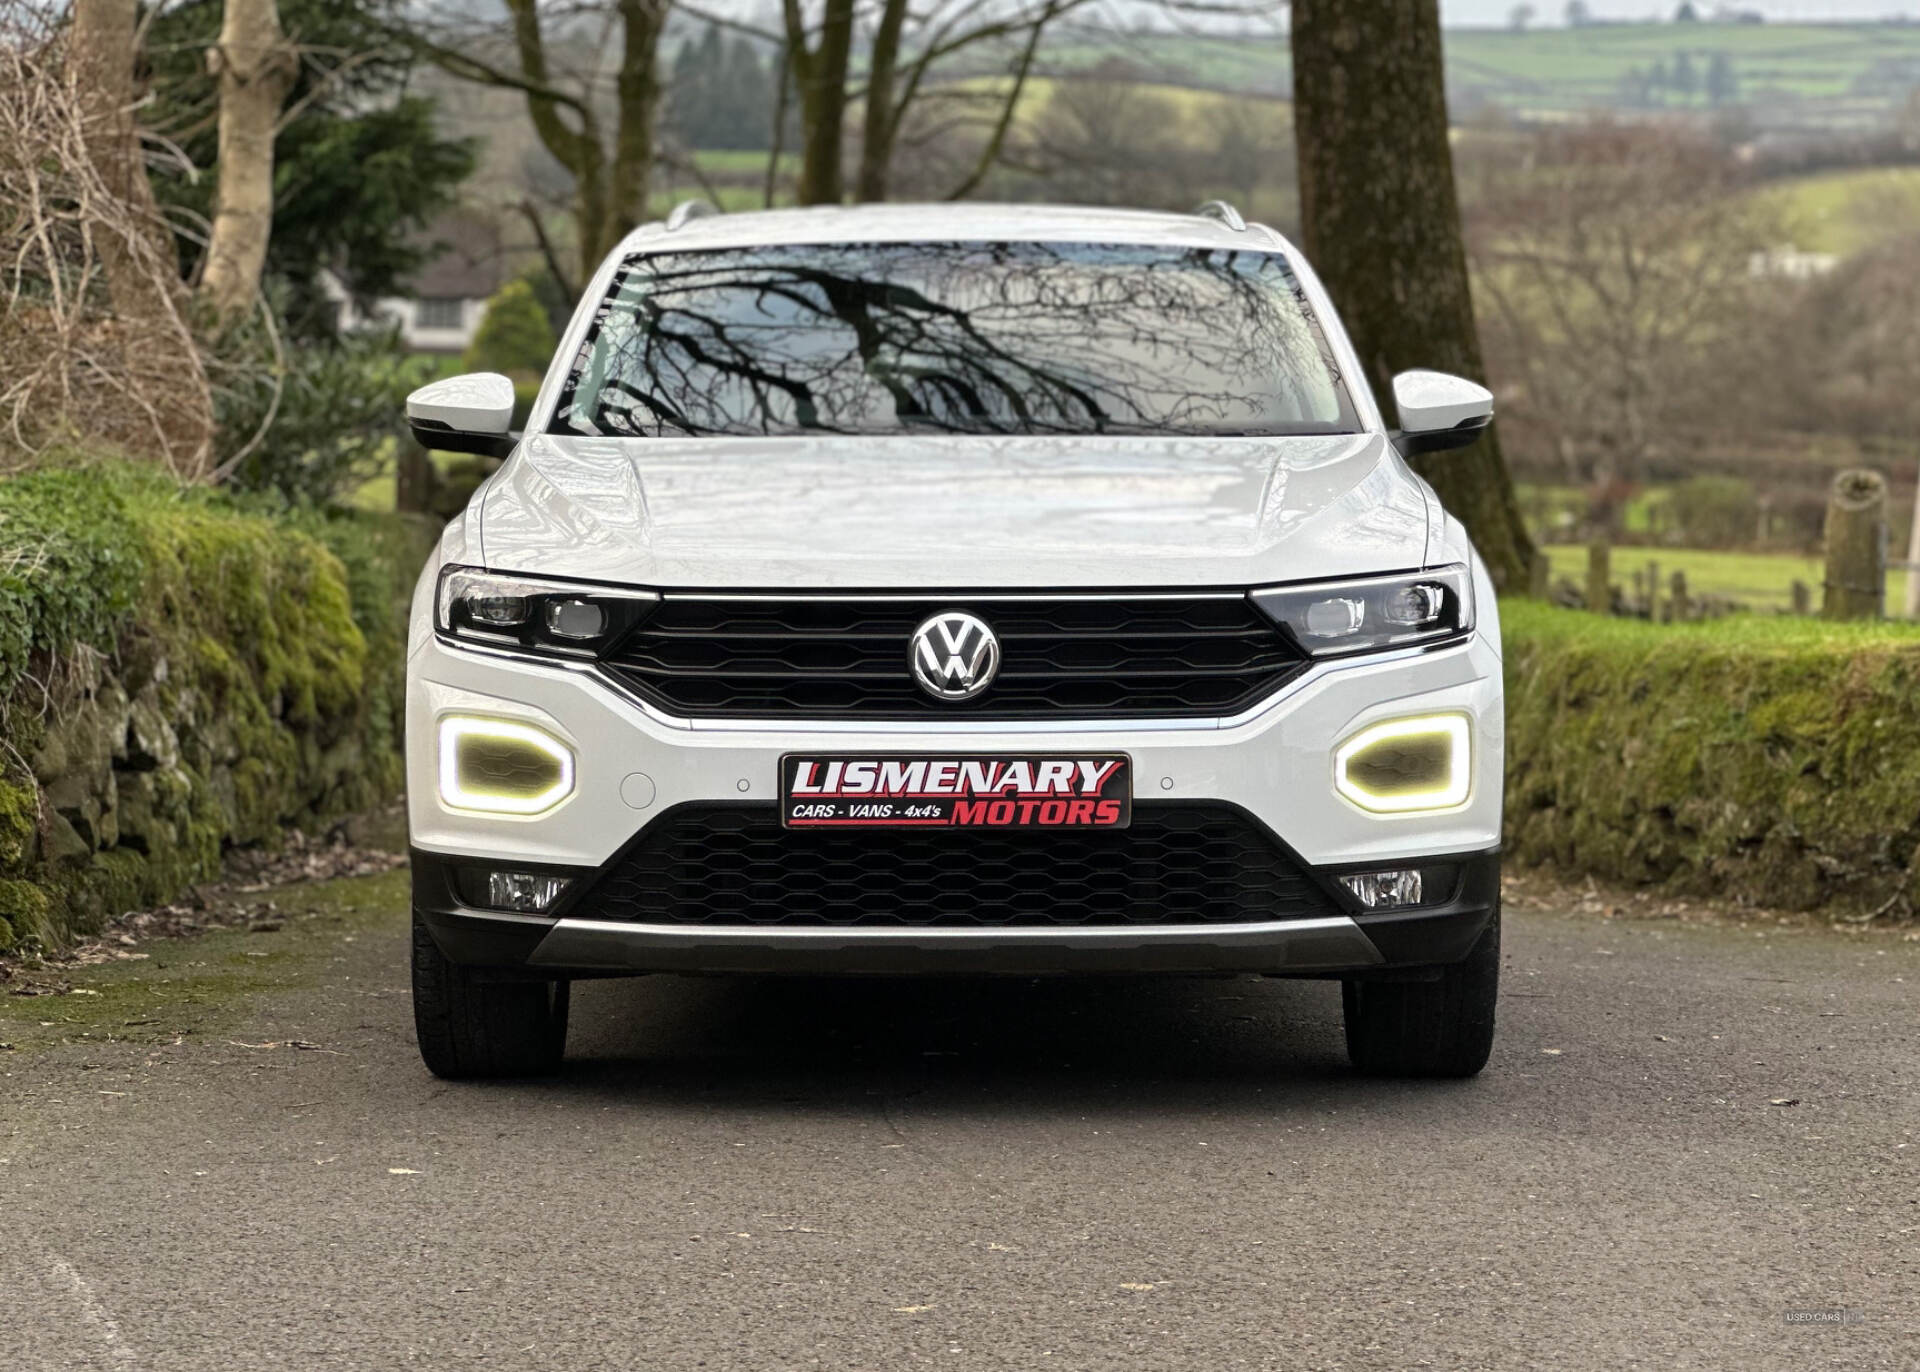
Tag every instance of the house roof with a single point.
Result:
(473, 263)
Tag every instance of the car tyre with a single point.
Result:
(470, 1027)
(1437, 1028)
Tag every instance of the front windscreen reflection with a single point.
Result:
(991, 338)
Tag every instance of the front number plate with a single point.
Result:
(896, 791)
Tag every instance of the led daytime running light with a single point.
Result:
(458, 732)
(1454, 732)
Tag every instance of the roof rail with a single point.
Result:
(687, 211)
(1220, 210)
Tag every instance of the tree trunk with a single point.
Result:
(820, 75)
(882, 121)
(638, 88)
(256, 66)
(103, 59)
(1381, 223)
(578, 150)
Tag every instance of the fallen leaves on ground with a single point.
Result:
(228, 903)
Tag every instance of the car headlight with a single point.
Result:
(564, 618)
(1327, 618)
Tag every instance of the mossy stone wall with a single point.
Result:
(1756, 760)
(179, 674)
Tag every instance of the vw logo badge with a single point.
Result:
(954, 656)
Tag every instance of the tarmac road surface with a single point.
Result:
(1695, 1148)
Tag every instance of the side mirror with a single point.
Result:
(1438, 411)
(464, 414)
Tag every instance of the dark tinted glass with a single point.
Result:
(1003, 338)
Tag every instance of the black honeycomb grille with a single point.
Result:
(734, 865)
(1137, 656)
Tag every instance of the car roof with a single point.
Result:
(969, 221)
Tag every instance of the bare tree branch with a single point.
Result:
(531, 213)
(997, 140)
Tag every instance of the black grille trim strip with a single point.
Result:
(1146, 655)
(732, 865)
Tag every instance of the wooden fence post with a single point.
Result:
(1599, 576)
(1912, 605)
(1802, 598)
(1856, 580)
(1682, 606)
(414, 478)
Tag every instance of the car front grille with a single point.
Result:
(1069, 655)
(722, 865)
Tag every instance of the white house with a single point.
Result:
(449, 294)
(1791, 264)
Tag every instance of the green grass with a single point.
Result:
(731, 198)
(742, 162)
(201, 985)
(1762, 581)
(1846, 211)
(1533, 620)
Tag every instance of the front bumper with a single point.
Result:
(1365, 943)
(1274, 763)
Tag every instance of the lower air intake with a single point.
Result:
(735, 866)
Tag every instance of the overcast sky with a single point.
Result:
(1495, 12)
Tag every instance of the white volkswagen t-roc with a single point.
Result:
(954, 589)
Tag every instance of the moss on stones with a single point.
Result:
(1768, 761)
(223, 672)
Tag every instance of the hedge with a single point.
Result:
(1769, 761)
(179, 673)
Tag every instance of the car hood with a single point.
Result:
(953, 513)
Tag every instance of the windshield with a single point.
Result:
(989, 338)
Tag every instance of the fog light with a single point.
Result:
(1402, 765)
(1385, 890)
(502, 767)
(527, 892)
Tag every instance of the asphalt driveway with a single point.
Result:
(1695, 1147)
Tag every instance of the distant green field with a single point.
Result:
(1762, 581)
(1813, 61)
(1852, 71)
(1846, 211)
(741, 161)
(731, 198)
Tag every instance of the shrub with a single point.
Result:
(514, 336)
(1772, 761)
(1715, 512)
(340, 408)
(71, 565)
